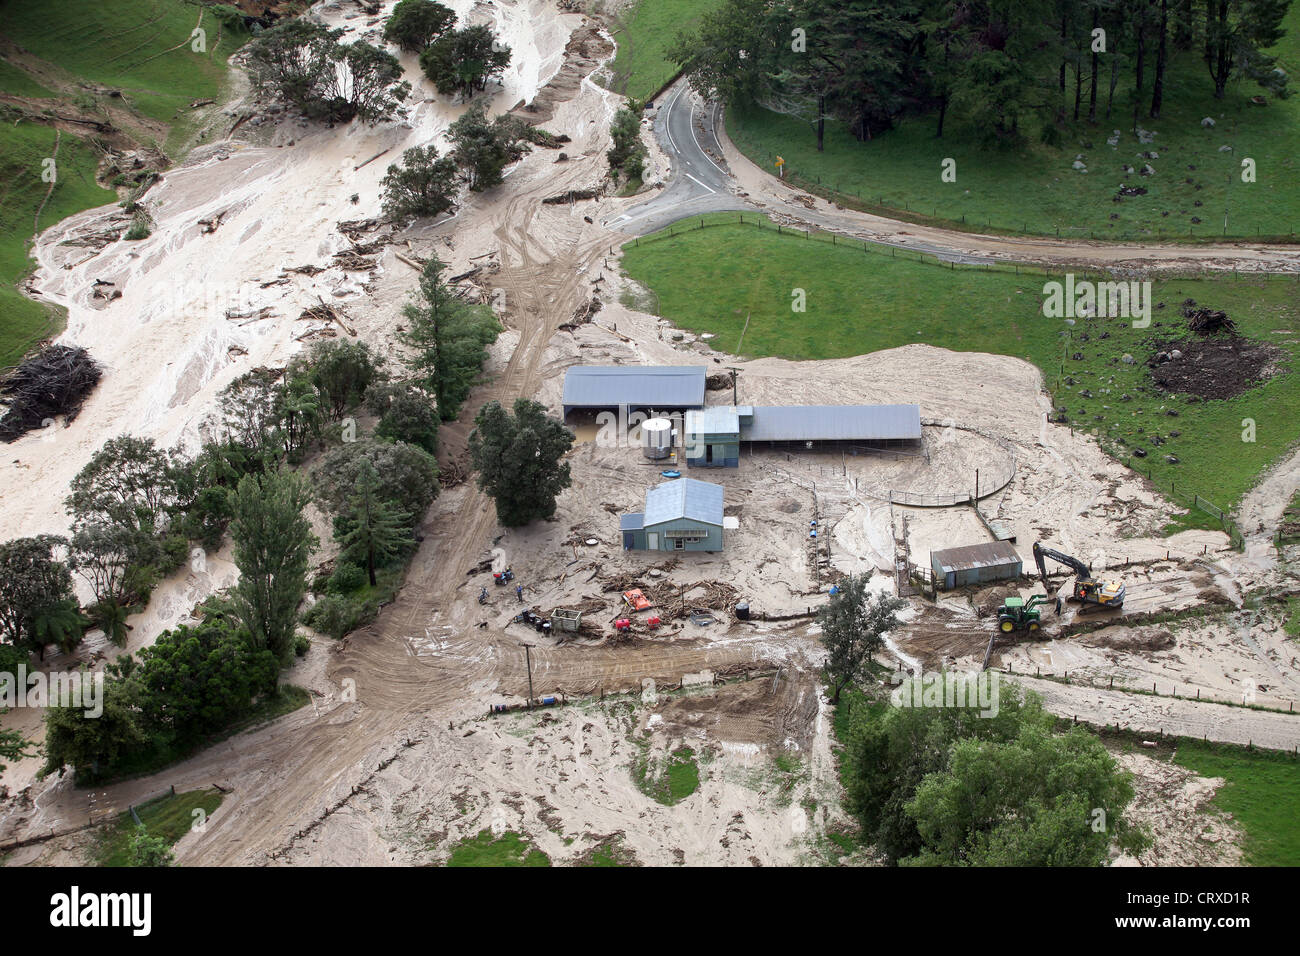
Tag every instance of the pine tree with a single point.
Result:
(450, 337)
(272, 542)
(371, 531)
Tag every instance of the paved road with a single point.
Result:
(700, 181)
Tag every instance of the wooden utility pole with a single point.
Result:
(734, 394)
(528, 655)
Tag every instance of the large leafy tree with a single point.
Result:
(421, 186)
(1012, 789)
(1040, 799)
(35, 589)
(406, 414)
(305, 64)
(341, 373)
(248, 417)
(128, 482)
(462, 61)
(104, 556)
(92, 746)
(196, 680)
(405, 476)
(450, 337)
(414, 24)
(1237, 32)
(627, 153)
(272, 543)
(854, 623)
(297, 411)
(483, 149)
(371, 531)
(519, 459)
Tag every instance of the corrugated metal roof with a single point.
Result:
(971, 556)
(645, 386)
(715, 420)
(833, 423)
(684, 498)
(631, 522)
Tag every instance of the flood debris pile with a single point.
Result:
(574, 195)
(55, 381)
(1207, 321)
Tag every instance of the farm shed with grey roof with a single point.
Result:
(865, 423)
(680, 515)
(975, 564)
(658, 387)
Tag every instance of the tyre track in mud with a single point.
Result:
(546, 253)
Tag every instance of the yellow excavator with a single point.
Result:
(1087, 591)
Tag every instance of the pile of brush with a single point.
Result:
(55, 381)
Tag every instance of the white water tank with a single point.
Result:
(657, 438)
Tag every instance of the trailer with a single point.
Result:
(566, 620)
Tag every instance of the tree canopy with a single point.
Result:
(483, 149)
(272, 543)
(423, 185)
(306, 64)
(1003, 63)
(973, 785)
(414, 24)
(406, 476)
(450, 337)
(519, 459)
(854, 623)
(460, 62)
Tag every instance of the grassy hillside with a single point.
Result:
(23, 147)
(141, 47)
(1036, 190)
(19, 83)
(169, 817)
(89, 50)
(861, 301)
(644, 35)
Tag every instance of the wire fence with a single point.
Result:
(1194, 502)
(1249, 699)
(864, 201)
(759, 221)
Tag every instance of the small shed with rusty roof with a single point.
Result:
(975, 564)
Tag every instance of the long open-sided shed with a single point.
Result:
(846, 423)
(657, 387)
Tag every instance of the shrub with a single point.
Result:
(346, 579)
(338, 616)
(141, 226)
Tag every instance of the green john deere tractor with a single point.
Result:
(1017, 614)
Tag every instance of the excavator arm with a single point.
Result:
(1081, 570)
(1085, 588)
